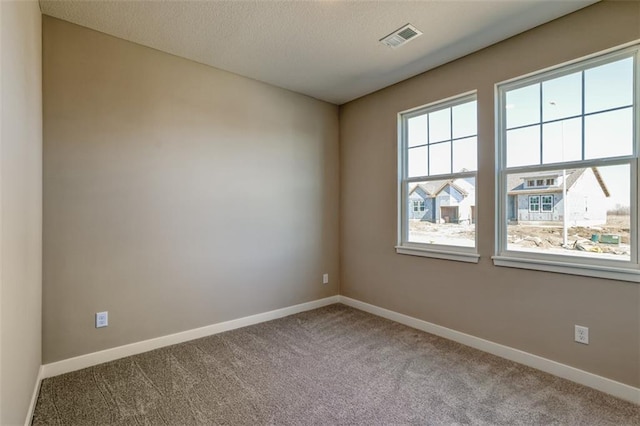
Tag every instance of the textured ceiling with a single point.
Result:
(325, 49)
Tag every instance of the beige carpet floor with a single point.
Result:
(334, 365)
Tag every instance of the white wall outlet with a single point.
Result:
(582, 334)
(325, 278)
(102, 319)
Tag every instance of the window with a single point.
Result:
(438, 161)
(534, 203)
(537, 183)
(579, 126)
(418, 206)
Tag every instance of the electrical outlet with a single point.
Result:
(102, 319)
(325, 278)
(582, 334)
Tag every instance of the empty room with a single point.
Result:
(327, 212)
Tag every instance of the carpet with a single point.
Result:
(333, 365)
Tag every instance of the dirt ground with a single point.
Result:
(533, 237)
(444, 233)
(579, 237)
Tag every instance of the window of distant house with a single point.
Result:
(534, 204)
(437, 168)
(547, 203)
(568, 169)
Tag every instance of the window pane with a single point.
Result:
(465, 155)
(596, 213)
(609, 86)
(440, 210)
(440, 125)
(440, 158)
(523, 146)
(417, 162)
(465, 119)
(562, 141)
(523, 106)
(534, 203)
(562, 97)
(417, 130)
(449, 213)
(609, 134)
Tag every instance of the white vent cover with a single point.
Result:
(401, 36)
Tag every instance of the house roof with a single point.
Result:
(432, 189)
(463, 186)
(598, 176)
(515, 183)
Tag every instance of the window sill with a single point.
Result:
(598, 271)
(457, 256)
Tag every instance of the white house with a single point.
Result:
(537, 198)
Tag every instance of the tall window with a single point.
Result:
(574, 132)
(534, 203)
(438, 163)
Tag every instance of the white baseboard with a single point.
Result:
(88, 360)
(612, 387)
(34, 397)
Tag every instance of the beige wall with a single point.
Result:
(176, 195)
(20, 206)
(528, 310)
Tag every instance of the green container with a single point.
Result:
(594, 238)
(610, 239)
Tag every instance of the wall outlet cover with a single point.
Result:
(582, 334)
(102, 319)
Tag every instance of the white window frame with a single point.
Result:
(575, 265)
(550, 204)
(531, 198)
(404, 246)
(418, 206)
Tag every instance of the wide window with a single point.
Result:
(437, 165)
(568, 169)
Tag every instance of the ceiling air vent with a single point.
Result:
(401, 36)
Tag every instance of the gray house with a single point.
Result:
(537, 198)
(451, 201)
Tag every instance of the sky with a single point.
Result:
(544, 125)
(431, 137)
(534, 138)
